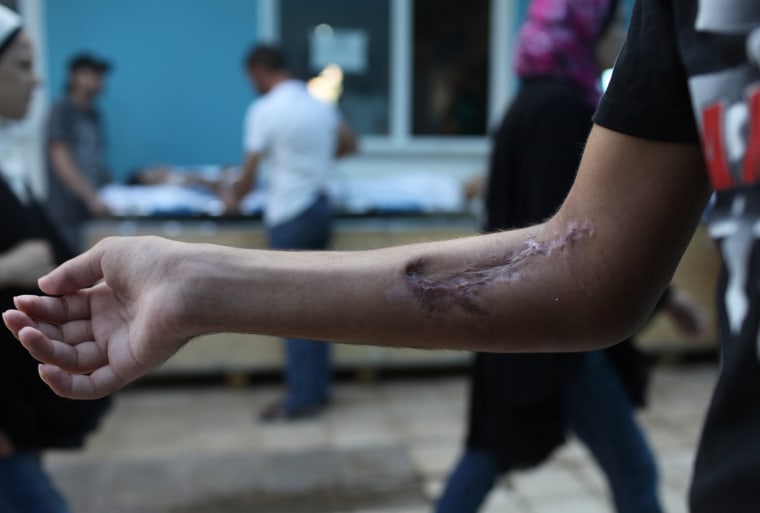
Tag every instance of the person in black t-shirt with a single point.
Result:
(75, 149)
(693, 61)
(584, 279)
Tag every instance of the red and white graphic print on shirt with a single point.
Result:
(727, 104)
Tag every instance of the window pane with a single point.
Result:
(450, 92)
(353, 35)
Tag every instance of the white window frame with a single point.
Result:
(501, 86)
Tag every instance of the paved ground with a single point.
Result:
(385, 447)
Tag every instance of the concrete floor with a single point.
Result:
(384, 447)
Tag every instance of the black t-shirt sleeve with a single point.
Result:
(60, 124)
(648, 95)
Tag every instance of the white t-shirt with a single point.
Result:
(297, 134)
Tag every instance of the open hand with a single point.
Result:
(98, 336)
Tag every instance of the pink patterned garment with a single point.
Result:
(558, 40)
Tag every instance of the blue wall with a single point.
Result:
(177, 93)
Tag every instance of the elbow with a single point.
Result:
(560, 322)
(608, 318)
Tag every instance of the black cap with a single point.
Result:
(88, 61)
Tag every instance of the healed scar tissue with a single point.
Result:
(442, 294)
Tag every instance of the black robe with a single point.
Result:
(31, 415)
(517, 402)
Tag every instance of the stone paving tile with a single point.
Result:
(295, 437)
(189, 449)
(357, 429)
(434, 460)
(548, 482)
(318, 481)
(503, 501)
(577, 504)
(417, 509)
(674, 501)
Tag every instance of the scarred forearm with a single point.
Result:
(586, 278)
(480, 293)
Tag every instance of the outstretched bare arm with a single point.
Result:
(586, 278)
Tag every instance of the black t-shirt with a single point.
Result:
(82, 131)
(689, 68)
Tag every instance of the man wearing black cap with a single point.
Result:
(75, 150)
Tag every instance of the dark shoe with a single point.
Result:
(278, 412)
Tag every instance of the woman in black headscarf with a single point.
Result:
(32, 418)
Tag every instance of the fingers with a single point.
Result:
(61, 359)
(72, 333)
(76, 353)
(15, 320)
(79, 371)
(56, 310)
(80, 358)
(78, 273)
(100, 383)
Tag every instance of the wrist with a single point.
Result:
(211, 278)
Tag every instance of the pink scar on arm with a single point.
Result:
(439, 295)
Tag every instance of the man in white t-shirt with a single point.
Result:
(300, 137)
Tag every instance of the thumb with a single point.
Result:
(78, 273)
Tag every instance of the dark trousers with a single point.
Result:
(308, 363)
